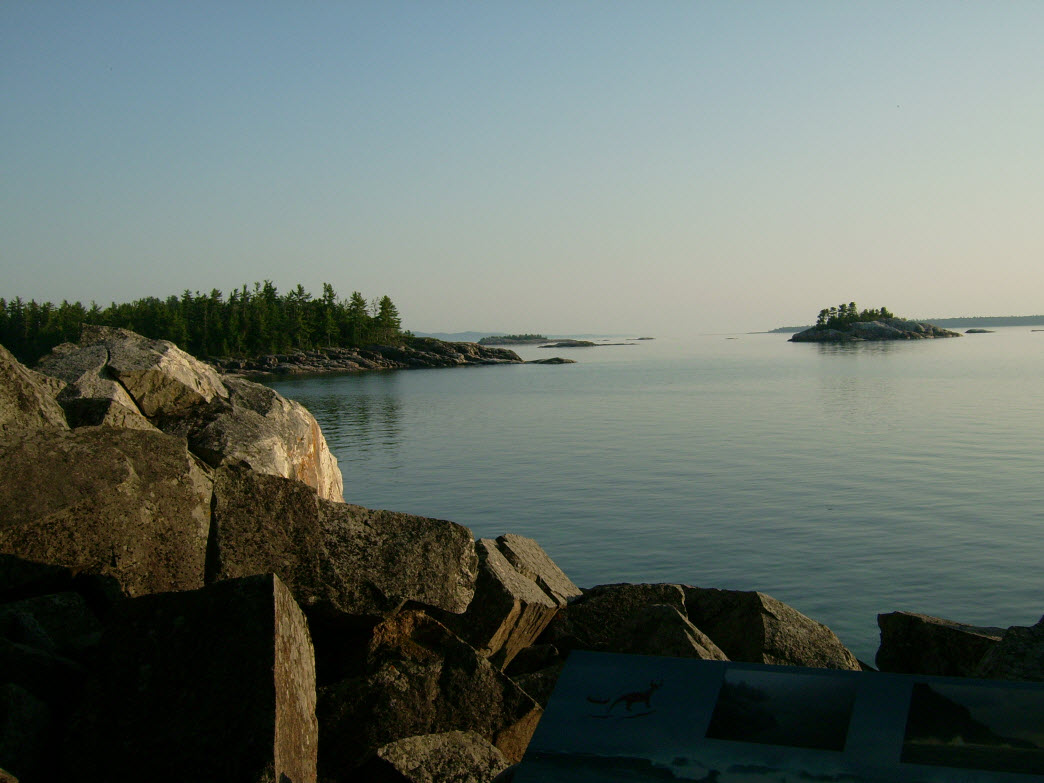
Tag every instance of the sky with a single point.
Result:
(561, 167)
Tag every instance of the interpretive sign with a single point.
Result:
(639, 718)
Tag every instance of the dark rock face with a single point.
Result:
(25, 400)
(755, 628)
(641, 619)
(1019, 655)
(132, 504)
(336, 556)
(920, 644)
(458, 756)
(419, 679)
(213, 684)
(882, 329)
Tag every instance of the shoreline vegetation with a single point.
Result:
(250, 322)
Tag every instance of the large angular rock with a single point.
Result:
(159, 376)
(261, 428)
(508, 611)
(755, 628)
(920, 644)
(530, 560)
(457, 756)
(25, 401)
(639, 619)
(211, 684)
(336, 556)
(121, 379)
(419, 679)
(1019, 655)
(131, 504)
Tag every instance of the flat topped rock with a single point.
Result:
(335, 555)
(130, 504)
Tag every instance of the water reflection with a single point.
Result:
(862, 348)
(359, 415)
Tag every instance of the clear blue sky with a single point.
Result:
(560, 166)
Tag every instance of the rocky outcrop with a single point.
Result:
(416, 352)
(213, 684)
(25, 400)
(881, 329)
(130, 504)
(117, 378)
(920, 644)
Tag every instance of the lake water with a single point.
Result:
(843, 480)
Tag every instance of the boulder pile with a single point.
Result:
(184, 595)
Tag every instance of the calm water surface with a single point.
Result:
(843, 480)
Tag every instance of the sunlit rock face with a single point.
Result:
(118, 378)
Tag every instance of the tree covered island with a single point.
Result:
(847, 323)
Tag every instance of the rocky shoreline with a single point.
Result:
(185, 595)
(416, 352)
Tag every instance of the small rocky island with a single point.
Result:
(846, 323)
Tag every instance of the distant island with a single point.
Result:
(949, 323)
(513, 339)
(566, 343)
(847, 323)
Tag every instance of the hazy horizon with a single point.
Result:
(566, 167)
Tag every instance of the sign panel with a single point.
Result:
(640, 718)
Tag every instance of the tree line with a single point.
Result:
(845, 314)
(248, 322)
